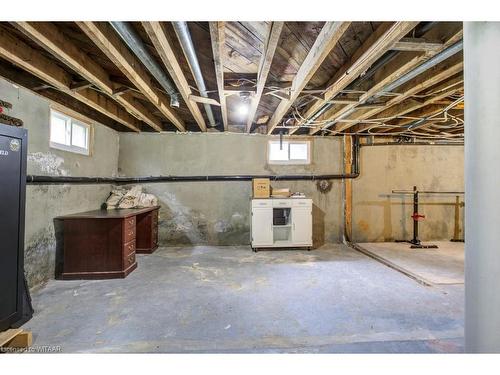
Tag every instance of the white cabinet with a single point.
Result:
(281, 222)
(302, 226)
(262, 226)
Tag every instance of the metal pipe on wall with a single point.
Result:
(135, 43)
(182, 31)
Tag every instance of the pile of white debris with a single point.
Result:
(130, 198)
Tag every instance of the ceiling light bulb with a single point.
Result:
(243, 109)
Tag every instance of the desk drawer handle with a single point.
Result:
(131, 259)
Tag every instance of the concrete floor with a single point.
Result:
(228, 299)
(444, 265)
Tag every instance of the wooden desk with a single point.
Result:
(102, 244)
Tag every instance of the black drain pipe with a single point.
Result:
(46, 180)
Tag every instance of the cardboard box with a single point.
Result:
(285, 193)
(261, 187)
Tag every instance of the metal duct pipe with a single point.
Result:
(182, 31)
(433, 61)
(135, 43)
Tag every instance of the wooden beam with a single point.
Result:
(217, 36)
(165, 50)
(203, 100)
(76, 86)
(404, 63)
(326, 40)
(22, 55)
(105, 38)
(445, 89)
(432, 77)
(417, 44)
(266, 60)
(58, 99)
(378, 43)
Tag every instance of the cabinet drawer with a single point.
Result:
(128, 233)
(282, 203)
(302, 203)
(262, 203)
(129, 260)
(129, 248)
(130, 222)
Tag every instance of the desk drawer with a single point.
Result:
(130, 222)
(128, 233)
(129, 248)
(129, 260)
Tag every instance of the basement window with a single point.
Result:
(69, 134)
(289, 152)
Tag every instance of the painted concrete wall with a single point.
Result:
(219, 212)
(44, 202)
(379, 215)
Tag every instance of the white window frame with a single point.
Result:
(70, 120)
(286, 143)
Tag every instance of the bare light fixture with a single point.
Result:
(243, 107)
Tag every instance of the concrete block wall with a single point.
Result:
(44, 202)
(218, 213)
(381, 216)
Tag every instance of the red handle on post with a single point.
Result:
(417, 217)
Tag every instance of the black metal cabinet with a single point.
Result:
(13, 151)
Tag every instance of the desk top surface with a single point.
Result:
(109, 214)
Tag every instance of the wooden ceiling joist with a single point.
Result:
(386, 75)
(445, 89)
(417, 44)
(378, 43)
(326, 40)
(217, 37)
(389, 73)
(49, 37)
(31, 60)
(264, 68)
(432, 77)
(111, 45)
(164, 48)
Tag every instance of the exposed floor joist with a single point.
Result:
(164, 48)
(48, 36)
(272, 40)
(326, 40)
(413, 87)
(384, 76)
(22, 55)
(217, 36)
(374, 47)
(62, 101)
(110, 44)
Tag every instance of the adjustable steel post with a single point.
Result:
(415, 241)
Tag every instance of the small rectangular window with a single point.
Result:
(69, 134)
(289, 152)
